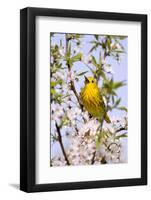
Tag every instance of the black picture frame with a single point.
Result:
(28, 98)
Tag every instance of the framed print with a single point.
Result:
(83, 99)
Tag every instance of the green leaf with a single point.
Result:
(108, 43)
(76, 57)
(116, 85)
(97, 142)
(68, 51)
(52, 91)
(103, 45)
(94, 47)
(123, 108)
(69, 63)
(96, 37)
(119, 51)
(112, 99)
(93, 42)
(82, 73)
(117, 102)
(94, 61)
(113, 93)
(101, 73)
(93, 71)
(58, 98)
(101, 137)
(53, 83)
(60, 43)
(121, 136)
(59, 65)
(122, 37)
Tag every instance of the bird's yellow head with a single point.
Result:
(90, 81)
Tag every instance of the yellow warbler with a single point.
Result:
(92, 100)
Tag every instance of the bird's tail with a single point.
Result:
(107, 119)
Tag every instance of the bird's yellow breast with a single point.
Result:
(91, 99)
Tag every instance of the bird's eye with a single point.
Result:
(92, 81)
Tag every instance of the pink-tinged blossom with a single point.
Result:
(61, 51)
(108, 69)
(58, 161)
(89, 128)
(86, 59)
(71, 76)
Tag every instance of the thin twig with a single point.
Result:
(61, 144)
(71, 81)
(76, 94)
(120, 129)
(93, 158)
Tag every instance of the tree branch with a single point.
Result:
(71, 81)
(61, 144)
(93, 158)
(76, 94)
(120, 129)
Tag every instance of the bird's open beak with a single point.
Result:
(86, 79)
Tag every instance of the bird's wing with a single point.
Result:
(102, 103)
(106, 117)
